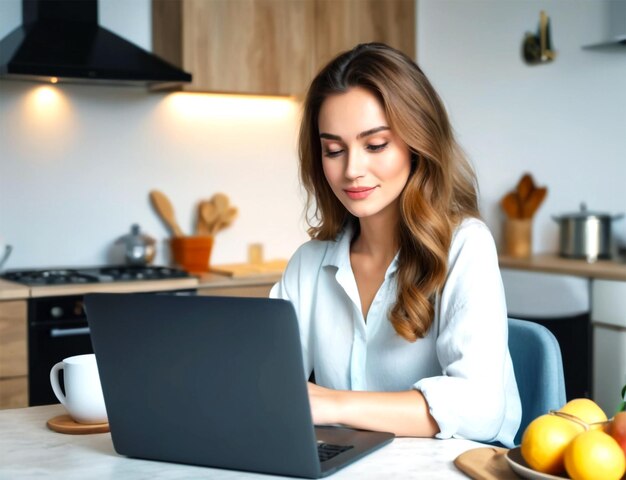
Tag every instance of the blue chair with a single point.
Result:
(538, 370)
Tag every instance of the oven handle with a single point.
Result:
(69, 332)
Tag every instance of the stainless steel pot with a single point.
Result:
(137, 248)
(586, 234)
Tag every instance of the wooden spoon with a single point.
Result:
(533, 202)
(221, 203)
(511, 205)
(164, 208)
(209, 215)
(230, 215)
(201, 227)
(524, 187)
(225, 220)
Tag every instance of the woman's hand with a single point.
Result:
(402, 413)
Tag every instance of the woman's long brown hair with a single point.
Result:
(441, 189)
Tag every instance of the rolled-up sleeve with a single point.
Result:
(477, 386)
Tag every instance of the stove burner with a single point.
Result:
(49, 277)
(92, 275)
(141, 273)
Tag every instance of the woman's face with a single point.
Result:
(365, 163)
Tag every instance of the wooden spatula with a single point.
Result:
(511, 205)
(164, 208)
(221, 202)
(210, 216)
(524, 187)
(201, 226)
(534, 201)
(225, 220)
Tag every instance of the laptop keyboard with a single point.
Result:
(326, 451)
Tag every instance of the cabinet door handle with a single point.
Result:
(69, 332)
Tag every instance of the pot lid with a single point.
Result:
(135, 237)
(583, 214)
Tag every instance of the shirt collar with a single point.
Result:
(338, 252)
(393, 266)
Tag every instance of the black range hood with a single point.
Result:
(616, 42)
(615, 22)
(60, 40)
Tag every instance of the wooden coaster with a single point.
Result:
(485, 463)
(65, 424)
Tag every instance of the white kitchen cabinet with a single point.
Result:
(561, 303)
(608, 315)
(544, 295)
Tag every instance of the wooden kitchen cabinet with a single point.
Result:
(271, 47)
(13, 354)
(236, 46)
(342, 24)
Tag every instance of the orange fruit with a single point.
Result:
(586, 410)
(594, 455)
(544, 442)
(617, 429)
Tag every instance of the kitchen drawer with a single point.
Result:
(609, 302)
(13, 339)
(14, 392)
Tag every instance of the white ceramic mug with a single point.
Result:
(83, 398)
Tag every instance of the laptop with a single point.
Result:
(213, 381)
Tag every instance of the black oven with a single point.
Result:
(57, 329)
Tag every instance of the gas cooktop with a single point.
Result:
(66, 276)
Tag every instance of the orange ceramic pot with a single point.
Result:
(192, 253)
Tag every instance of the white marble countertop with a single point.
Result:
(29, 450)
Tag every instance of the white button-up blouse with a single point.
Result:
(462, 366)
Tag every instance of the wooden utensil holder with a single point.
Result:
(192, 253)
(518, 237)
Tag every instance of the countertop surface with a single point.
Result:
(13, 291)
(546, 262)
(552, 263)
(30, 450)
(16, 291)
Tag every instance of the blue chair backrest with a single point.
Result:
(538, 370)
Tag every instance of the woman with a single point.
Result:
(398, 294)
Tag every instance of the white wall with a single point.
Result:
(75, 172)
(564, 122)
(73, 180)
